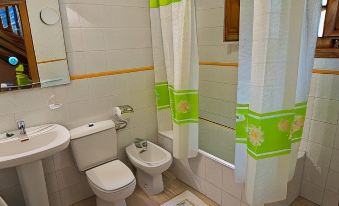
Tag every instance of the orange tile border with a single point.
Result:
(51, 60)
(147, 68)
(319, 71)
(108, 73)
(225, 64)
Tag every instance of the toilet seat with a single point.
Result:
(111, 176)
(111, 181)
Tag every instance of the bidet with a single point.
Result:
(150, 164)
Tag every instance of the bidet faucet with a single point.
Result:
(22, 127)
(140, 143)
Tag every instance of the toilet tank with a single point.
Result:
(94, 144)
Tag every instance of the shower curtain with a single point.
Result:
(176, 68)
(273, 86)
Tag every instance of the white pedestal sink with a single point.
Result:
(26, 152)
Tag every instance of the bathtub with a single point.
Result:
(214, 177)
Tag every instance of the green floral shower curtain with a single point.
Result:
(176, 67)
(273, 85)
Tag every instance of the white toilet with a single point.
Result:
(150, 164)
(94, 147)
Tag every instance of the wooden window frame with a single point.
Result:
(27, 37)
(232, 20)
(325, 45)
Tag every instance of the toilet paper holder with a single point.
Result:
(120, 122)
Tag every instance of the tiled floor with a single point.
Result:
(302, 202)
(173, 187)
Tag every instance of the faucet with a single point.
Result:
(140, 143)
(22, 127)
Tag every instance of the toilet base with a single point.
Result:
(152, 185)
(101, 202)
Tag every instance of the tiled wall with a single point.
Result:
(321, 138)
(218, 84)
(100, 36)
(216, 181)
(210, 24)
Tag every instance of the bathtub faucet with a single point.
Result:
(140, 143)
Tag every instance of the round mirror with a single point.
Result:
(49, 16)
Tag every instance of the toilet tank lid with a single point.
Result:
(91, 128)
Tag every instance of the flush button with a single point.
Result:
(90, 124)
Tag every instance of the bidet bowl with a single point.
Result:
(150, 164)
(155, 160)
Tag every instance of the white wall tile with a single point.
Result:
(229, 200)
(333, 181)
(318, 155)
(327, 86)
(312, 192)
(76, 63)
(228, 183)
(330, 198)
(213, 172)
(67, 177)
(127, 38)
(210, 17)
(51, 183)
(335, 160)
(316, 173)
(205, 4)
(212, 192)
(54, 199)
(74, 39)
(198, 165)
(75, 193)
(323, 136)
(336, 142)
(63, 159)
(93, 39)
(8, 178)
(7, 123)
(13, 195)
(326, 110)
(322, 133)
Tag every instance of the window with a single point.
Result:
(328, 33)
(232, 15)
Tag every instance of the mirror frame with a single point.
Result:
(27, 36)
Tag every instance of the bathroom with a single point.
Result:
(91, 58)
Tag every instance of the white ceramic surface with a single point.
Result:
(150, 165)
(2, 202)
(94, 148)
(43, 141)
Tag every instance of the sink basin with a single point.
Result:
(43, 141)
(25, 152)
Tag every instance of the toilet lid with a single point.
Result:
(110, 176)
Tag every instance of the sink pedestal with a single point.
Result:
(33, 184)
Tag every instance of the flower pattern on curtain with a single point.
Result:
(176, 62)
